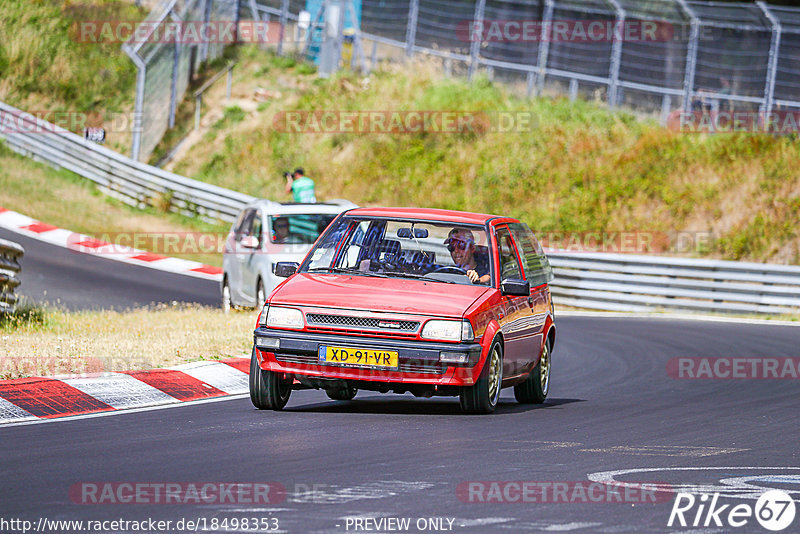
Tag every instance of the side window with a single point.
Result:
(509, 264)
(537, 268)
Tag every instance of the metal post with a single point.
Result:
(475, 44)
(206, 20)
(616, 54)
(229, 83)
(531, 81)
(284, 20)
(176, 58)
(141, 79)
(666, 104)
(573, 89)
(198, 102)
(411, 29)
(374, 58)
(544, 44)
(691, 56)
(772, 67)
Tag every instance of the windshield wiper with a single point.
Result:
(419, 277)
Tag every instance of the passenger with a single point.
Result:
(461, 244)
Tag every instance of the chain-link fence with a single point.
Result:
(653, 56)
(167, 53)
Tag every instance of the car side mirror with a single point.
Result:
(285, 269)
(515, 287)
(249, 241)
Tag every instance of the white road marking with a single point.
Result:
(570, 526)
(741, 491)
(674, 316)
(667, 450)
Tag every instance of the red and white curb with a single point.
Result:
(30, 399)
(22, 224)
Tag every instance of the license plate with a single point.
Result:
(353, 357)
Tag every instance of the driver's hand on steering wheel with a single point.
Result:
(472, 274)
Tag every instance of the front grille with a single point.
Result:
(358, 323)
(408, 367)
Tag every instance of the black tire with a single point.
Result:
(226, 296)
(342, 394)
(536, 387)
(268, 391)
(482, 397)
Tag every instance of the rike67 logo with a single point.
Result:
(774, 510)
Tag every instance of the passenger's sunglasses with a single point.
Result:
(458, 244)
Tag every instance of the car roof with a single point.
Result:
(430, 214)
(270, 207)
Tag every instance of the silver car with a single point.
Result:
(265, 233)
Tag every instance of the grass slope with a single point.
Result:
(580, 168)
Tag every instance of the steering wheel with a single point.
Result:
(451, 269)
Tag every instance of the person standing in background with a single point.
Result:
(300, 186)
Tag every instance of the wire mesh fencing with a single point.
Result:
(658, 56)
(167, 49)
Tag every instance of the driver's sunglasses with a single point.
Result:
(458, 244)
(281, 226)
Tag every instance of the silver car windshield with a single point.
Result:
(441, 252)
(297, 228)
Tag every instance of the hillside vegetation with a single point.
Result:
(46, 69)
(579, 168)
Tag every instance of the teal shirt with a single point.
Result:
(303, 190)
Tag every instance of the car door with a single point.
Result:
(517, 311)
(239, 255)
(539, 274)
(251, 259)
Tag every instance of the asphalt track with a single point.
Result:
(612, 406)
(76, 281)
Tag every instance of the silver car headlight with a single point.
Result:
(262, 318)
(278, 317)
(443, 330)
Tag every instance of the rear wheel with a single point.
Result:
(482, 397)
(268, 390)
(536, 387)
(342, 394)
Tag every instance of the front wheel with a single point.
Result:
(482, 397)
(268, 390)
(536, 387)
(226, 296)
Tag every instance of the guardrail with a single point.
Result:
(10, 253)
(625, 282)
(132, 182)
(587, 280)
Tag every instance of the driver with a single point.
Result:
(461, 244)
(280, 226)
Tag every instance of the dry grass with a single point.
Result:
(100, 341)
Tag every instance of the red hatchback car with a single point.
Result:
(426, 301)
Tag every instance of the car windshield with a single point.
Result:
(298, 228)
(431, 251)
